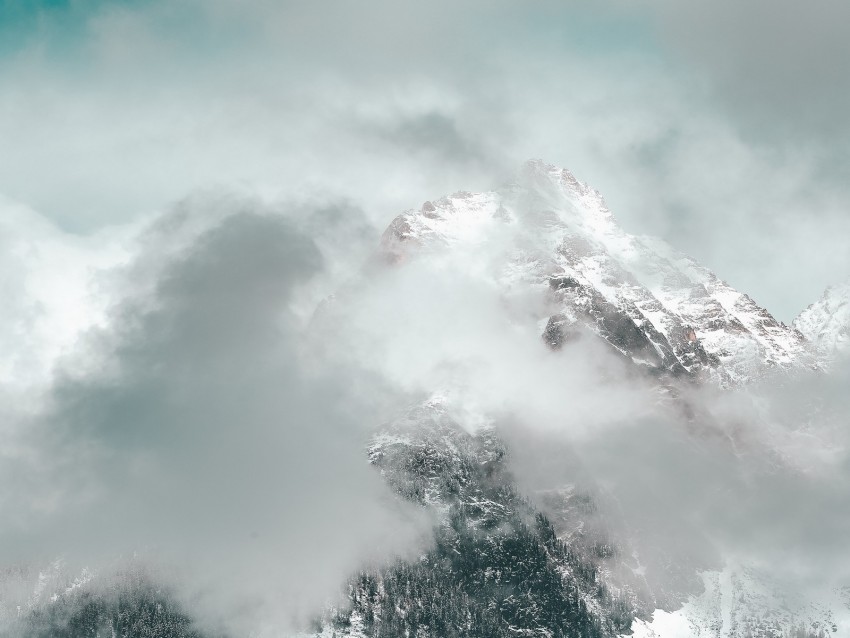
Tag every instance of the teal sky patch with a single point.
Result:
(56, 25)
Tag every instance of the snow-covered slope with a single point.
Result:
(740, 601)
(656, 306)
(826, 323)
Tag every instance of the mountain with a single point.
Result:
(560, 561)
(826, 323)
(132, 605)
(497, 567)
(557, 562)
(503, 564)
(655, 306)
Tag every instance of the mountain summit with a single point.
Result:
(658, 307)
(555, 560)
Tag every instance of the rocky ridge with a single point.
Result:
(655, 306)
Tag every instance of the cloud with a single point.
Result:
(143, 103)
(718, 127)
(197, 435)
(756, 477)
(49, 296)
(432, 132)
(776, 65)
(213, 425)
(753, 476)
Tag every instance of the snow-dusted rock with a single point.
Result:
(826, 323)
(740, 602)
(654, 305)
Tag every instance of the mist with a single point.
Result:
(200, 332)
(209, 431)
(190, 433)
(722, 136)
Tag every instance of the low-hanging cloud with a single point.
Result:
(215, 425)
(195, 434)
(755, 478)
(192, 417)
(694, 480)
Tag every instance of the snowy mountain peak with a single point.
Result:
(826, 323)
(538, 175)
(655, 306)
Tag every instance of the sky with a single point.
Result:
(720, 127)
(195, 342)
